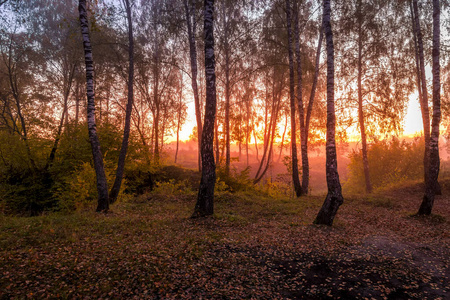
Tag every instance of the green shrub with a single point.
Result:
(235, 180)
(172, 187)
(390, 162)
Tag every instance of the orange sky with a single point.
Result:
(412, 122)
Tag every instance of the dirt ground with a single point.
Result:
(255, 247)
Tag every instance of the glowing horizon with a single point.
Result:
(412, 124)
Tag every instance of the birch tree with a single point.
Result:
(294, 159)
(102, 185)
(434, 162)
(205, 198)
(334, 197)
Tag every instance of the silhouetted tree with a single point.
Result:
(295, 176)
(126, 130)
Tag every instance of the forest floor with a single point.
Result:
(255, 247)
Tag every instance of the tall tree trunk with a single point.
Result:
(227, 93)
(205, 199)
(433, 172)
(156, 96)
(191, 24)
(126, 131)
(424, 100)
(102, 185)
(180, 106)
(416, 52)
(311, 102)
(301, 110)
(295, 176)
(334, 197)
(314, 85)
(362, 126)
(216, 141)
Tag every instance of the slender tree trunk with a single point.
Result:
(301, 110)
(267, 137)
(362, 126)
(416, 52)
(270, 130)
(282, 139)
(295, 175)
(205, 199)
(424, 102)
(163, 129)
(156, 96)
(77, 103)
(270, 139)
(191, 24)
(310, 105)
(216, 141)
(433, 172)
(227, 93)
(156, 132)
(314, 85)
(334, 197)
(180, 106)
(247, 135)
(126, 131)
(102, 186)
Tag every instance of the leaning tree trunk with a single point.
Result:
(433, 172)
(126, 131)
(362, 126)
(334, 197)
(270, 138)
(102, 185)
(205, 198)
(191, 24)
(423, 87)
(295, 176)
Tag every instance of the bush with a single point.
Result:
(235, 180)
(390, 162)
(69, 182)
(27, 193)
(79, 190)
